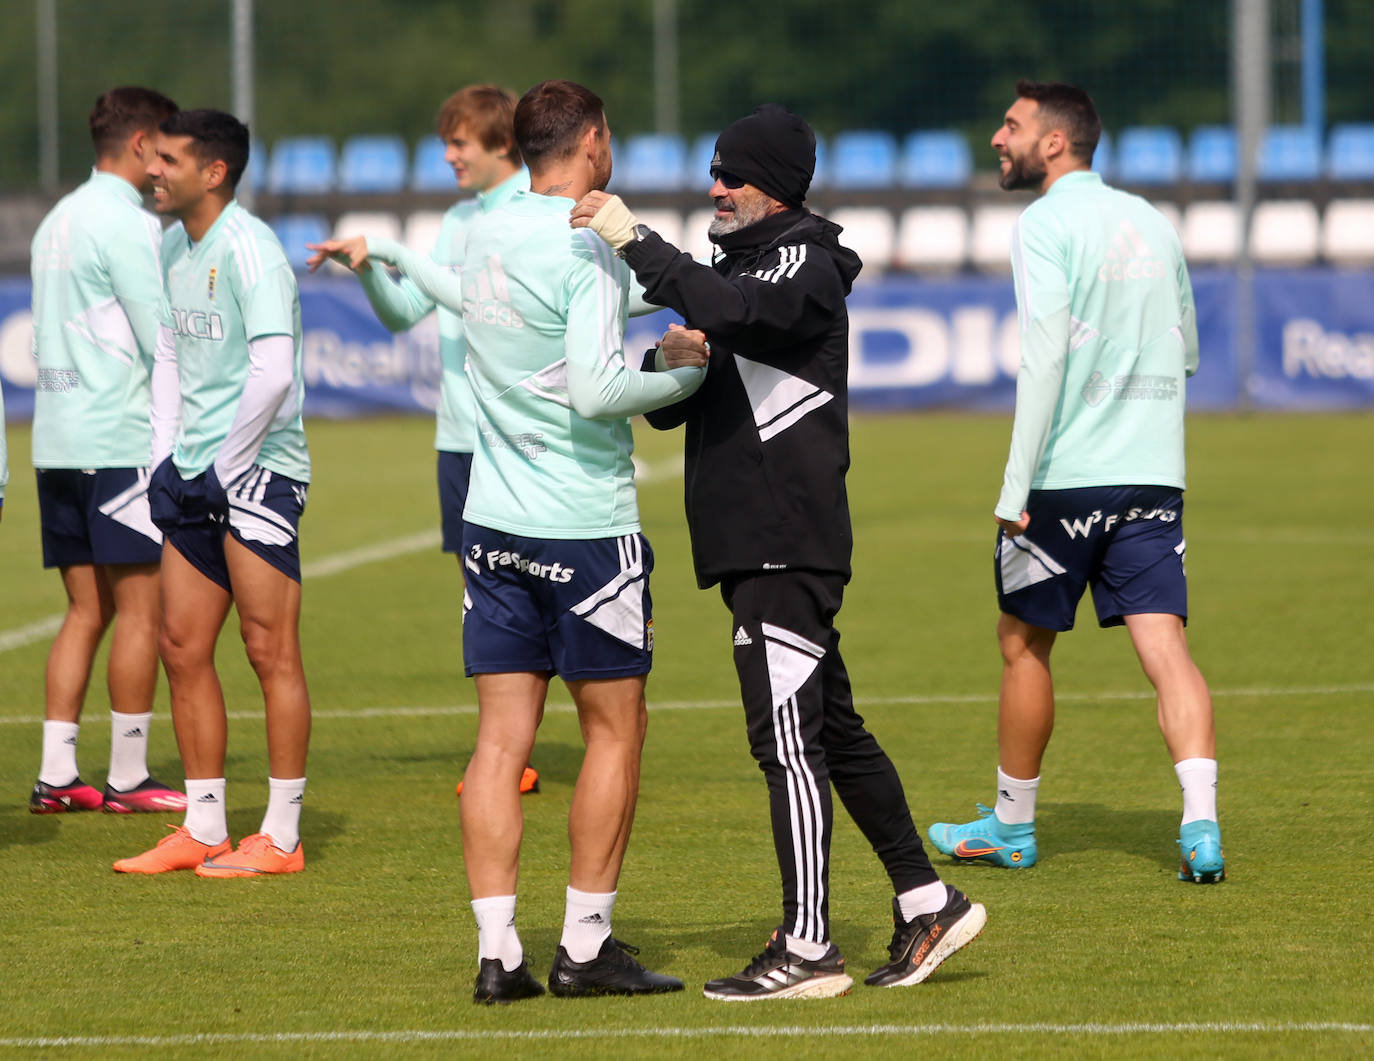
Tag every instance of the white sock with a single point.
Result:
(205, 816)
(282, 822)
(807, 948)
(1015, 799)
(496, 935)
(1198, 779)
(586, 923)
(927, 899)
(128, 750)
(59, 754)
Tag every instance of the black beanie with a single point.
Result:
(772, 149)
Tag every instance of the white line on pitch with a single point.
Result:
(808, 1031)
(422, 711)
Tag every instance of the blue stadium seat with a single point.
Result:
(937, 159)
(257, 166)
(430, 172)
(864, 159)
(697, 173)
(652, 162)
(302, 164)
(1212, 154)
(1290, 153)
(295, 231)
(821, 178)
(373, 164)
(1149, 155)
(1104, 158)
(1350, 152)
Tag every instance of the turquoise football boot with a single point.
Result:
(1204, 862)
(986, 840)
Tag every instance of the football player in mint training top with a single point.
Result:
(476, 126)
(557, 569)
(1093, 490)
(229, 499)
(99, 312)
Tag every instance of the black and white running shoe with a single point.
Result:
(612, 972)
(778, 973)
(919, 946)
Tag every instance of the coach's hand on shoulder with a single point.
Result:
(607, 216)
(682, 348)
(351, 252)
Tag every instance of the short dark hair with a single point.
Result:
(552, 117)
(214, 135)
(121, 112)
(1069, 108)
(489, 113)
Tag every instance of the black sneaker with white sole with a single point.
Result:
(612, 972)
(919, 946)
(496, 985)
(778, 973)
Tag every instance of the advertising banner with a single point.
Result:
(915, 343)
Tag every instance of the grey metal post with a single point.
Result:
(241, 33)
(47, 96)
(1250, 113)
(665, 66)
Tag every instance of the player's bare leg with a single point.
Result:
(269, 607)
(614, 718)
(1185, 704)
(1025, 706)
(90, 606)
(1186, 720)
(134, 642)
(193, 612)
(511, 707)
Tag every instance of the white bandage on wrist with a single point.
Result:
(614, 223)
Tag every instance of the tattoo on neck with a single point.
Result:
(554, 189)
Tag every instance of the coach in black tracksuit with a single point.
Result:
(767, 450)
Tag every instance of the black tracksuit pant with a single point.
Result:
(806, 736)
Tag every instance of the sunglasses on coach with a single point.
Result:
(728, 179)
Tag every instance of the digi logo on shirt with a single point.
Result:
(197, 324)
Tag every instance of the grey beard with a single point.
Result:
(741, 218)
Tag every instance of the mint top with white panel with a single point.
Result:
(400, 305)
(544, 308)
(98, 302)
(1108, 338)
(232, 287)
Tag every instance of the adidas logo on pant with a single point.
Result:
(742, 637)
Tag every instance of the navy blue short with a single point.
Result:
(96, 516)
(455, 469)
(264, 516)
(1124, 541)
(579, 609)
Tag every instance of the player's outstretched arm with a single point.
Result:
(441, 283)
(398, 305)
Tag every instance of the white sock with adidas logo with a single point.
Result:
(205, 817)
(59, 754)
(282, 822)
(128, 750)
(586, 923)
(496, 935)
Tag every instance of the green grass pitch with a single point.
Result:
(1098, 951)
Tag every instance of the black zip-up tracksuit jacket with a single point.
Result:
(767, 443)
